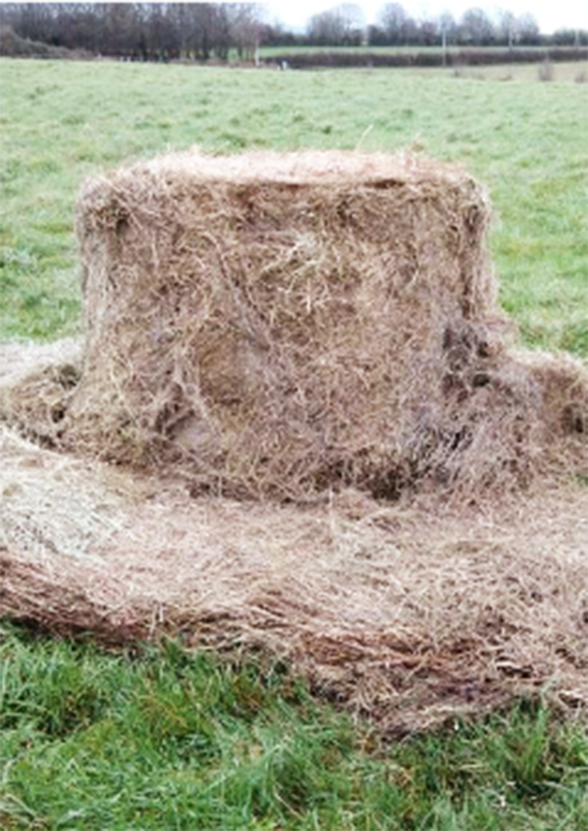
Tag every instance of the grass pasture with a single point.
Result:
(528, 141)
(159, 739)
(163, 740)
(560, 73)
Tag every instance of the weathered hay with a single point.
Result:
(36, 384)
(277, 324)
(51, 504)
(407, 615)
(280, 326)
(286, 324)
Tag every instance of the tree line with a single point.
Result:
(344, 25)
(201, 31)
(142, 31)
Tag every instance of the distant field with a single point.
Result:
(527, 140)
(394, 57)
(159, 739)
(270, 51)
(563, 73)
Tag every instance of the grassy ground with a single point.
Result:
(527, 140)
(161, 740)
(560, 73)
(267, 52)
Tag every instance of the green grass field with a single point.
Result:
(158, 739)
(270, 51)
(163, 740)
(527, 140)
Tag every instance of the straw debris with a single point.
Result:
(36, 385)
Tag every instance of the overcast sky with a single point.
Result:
(549, 14)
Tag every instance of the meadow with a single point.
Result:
(156, 738)
(526, 140)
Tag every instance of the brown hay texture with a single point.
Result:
(255, 321)
(280, 325)
(407, 615)
(299, 368)
(36, 384)
(274, 325)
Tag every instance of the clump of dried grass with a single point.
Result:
(36, 385)
(277, 324)
(53, 504)
(280, 325)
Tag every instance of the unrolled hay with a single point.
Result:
(401, 614)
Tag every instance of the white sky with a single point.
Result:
(549, 14)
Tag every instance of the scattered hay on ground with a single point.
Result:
(36, 385)
(51, 504)
(407, 615)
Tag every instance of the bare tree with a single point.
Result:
(476, 27)
(428, 31)
(166, 31)
(340, 26)
(393, 20)
(448, 32)
(245, 22)
(507, 30)
(29, 20)
(528, 30)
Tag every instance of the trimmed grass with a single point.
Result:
(162, 739)
(166, 740)
(527, 140)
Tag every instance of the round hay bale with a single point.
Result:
(273, 325)
(280, 323)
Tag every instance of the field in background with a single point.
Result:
(562, 73)
(270, 51)
(526, 140)
(160, 739)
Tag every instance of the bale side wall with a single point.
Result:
(279, 335)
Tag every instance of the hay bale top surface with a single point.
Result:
(330, 167)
